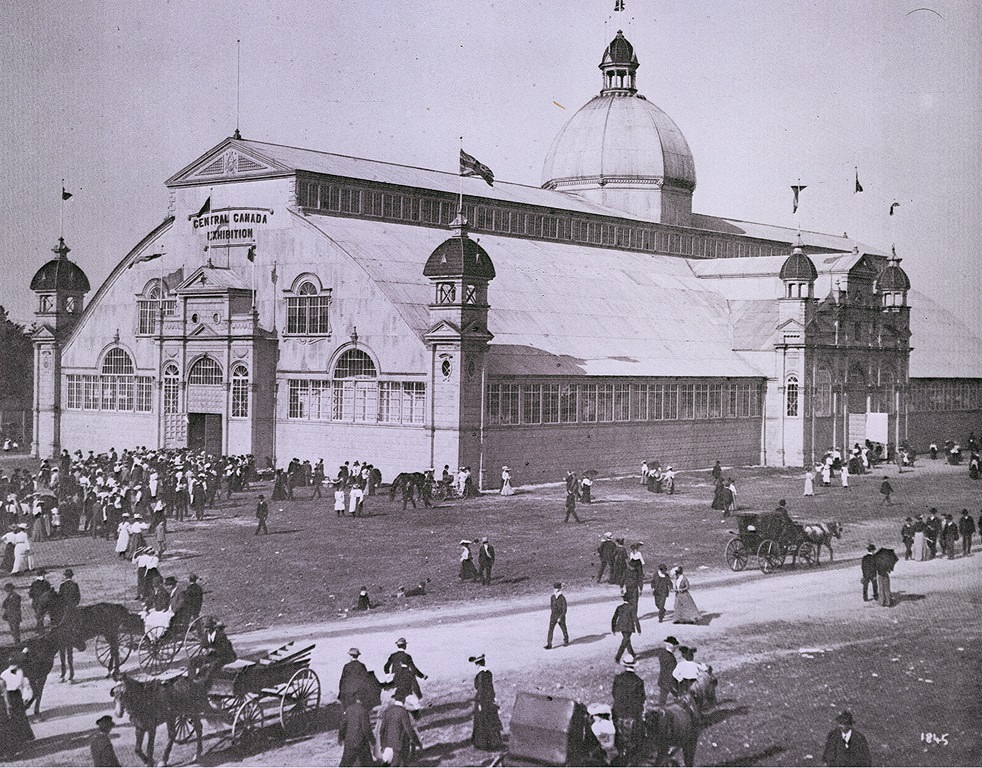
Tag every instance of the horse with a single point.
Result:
(677, 725)
(821, 535)
(151, 702)
(416, 481)
(108, 620)
(38, 659)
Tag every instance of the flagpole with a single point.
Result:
(460, 184)
(61, 224)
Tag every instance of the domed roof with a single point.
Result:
(622, 137)
(620, 51)
(459, 256)
(893, 278)
(798, 267)
(60, 274)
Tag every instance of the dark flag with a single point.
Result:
(892, 206)
(796, 189)
(65, 195)
(251, 253)
(144, 257)
(470, 166)
(206, 208)
(618, 5)
(859, 187)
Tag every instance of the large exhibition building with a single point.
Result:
(294, 302)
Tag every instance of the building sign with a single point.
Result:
(231, 225)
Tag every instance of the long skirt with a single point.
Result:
(487, 728)
(506, 489)
(685, 609)
(920, 551)
(467, 570)
(19, 730)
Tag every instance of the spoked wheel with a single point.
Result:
(184, 730)
(769, 556)
(247, 723)
(156, 651)
(195, 639)
(736, 555)
(299, 702)
(807, 553)
(439, 492)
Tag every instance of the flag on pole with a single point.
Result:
(796, 188)
(143, 258)
(471, 166)
(65, 195)
(859, 187)
(892, 206)
(206, 208)
(618, 5)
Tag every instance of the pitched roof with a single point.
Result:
(943, 345)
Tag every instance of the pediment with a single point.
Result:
(443, 330)
(229, 161)
(790, 325)
(202, 331)
(211, 280)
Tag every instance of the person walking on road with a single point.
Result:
(486, 735)
(12, 611)
(557, 614)
(845, 746)
(966, 527)
(661, 588)
(404, 672)
(625, 621)
(667, 662)
(571, 498)
(101, 747)
(262, 512)
(628, 711)
(397, 739)
(868, 566)
(355, 734)
(606, 552)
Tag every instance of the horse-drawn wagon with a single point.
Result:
(772, 538)
(160, 645)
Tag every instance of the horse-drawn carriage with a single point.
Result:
(160, 645)
(772, 538)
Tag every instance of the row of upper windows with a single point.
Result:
(500, 218)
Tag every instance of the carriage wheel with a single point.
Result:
(299, 702)
(184, 730)
(156, 651)
(439, 492)
(770, 557)
(247, 723)
(228, 704)
(807, 553)
(736, 555)
(128, 642)
(195, 639)
(104, 652)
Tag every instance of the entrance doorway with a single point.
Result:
(205, 432)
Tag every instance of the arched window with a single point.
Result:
(205, 371)
(240, 391)
(172, 389)
(151, 304)
(308, 312)
(117, 381)
(791, 396)
(355, 388)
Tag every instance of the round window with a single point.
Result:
(194, 317)
(216, 318)
(446, 368)
(471, 368)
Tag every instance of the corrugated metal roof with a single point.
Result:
(754, 324)
(944, 346)
(560, 309)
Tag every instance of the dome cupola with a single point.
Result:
(893, 285)
(61, 286)
(798, 274)
(459, 257)
(621, 151)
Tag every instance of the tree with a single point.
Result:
(16, 364)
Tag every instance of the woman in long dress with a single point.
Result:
(810, 483)
(487, 725)
(18, 690)
(685, 607)
(123, 536)
(506, 489)
(467, 570)
(919, 549)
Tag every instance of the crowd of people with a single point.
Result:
(937, 536)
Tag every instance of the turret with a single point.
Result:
(61, 286)
(893, 285)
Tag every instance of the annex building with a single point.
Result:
(294, 302)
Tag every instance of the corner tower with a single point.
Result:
(459, 271)
(60, 286)
(621, 151)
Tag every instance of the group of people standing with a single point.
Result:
(922, 537)
(485, 561)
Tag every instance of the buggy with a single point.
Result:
(770, 539)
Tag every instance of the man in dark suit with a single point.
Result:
(571, 489)
(666, 666)
(262, 512)
(404, 672)
(69, 591)
(557, 614)
(628, 713)
(966, 527)
(193, 597)
(101, 747)
(355, 682)
(40, 592)
(12, 611)
(625, 621)
(661, 588)
(606, 551)
(907, 536)
(71, 597)
(355, 733)
(845, 746)
(868, 567)
(485, 561)
(932, 531)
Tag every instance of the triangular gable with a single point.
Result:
(444, 330)
(791, 325)
(229, 161)
(207, 279)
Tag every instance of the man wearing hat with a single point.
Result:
(686, 670)
(356, 681)
(355, 734)
(404, 672)
(667, 662)
(845, 746)
(557, 614)
(12, 611)
(40, 593)
(218, 648)
(193, 596)
(625, 621)
(485, 561)
(628, 709)
(606, 551)
(868, 566)
(101, 746)
(262, 512)
(71, 597)
(571, 490)
(907, 536)
(966, 527)
(661, 588)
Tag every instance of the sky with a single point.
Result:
(115, 97)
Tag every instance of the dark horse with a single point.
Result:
(416, 481)
(106, 620)
(39, 659)
(151, 702)
(677, 725)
